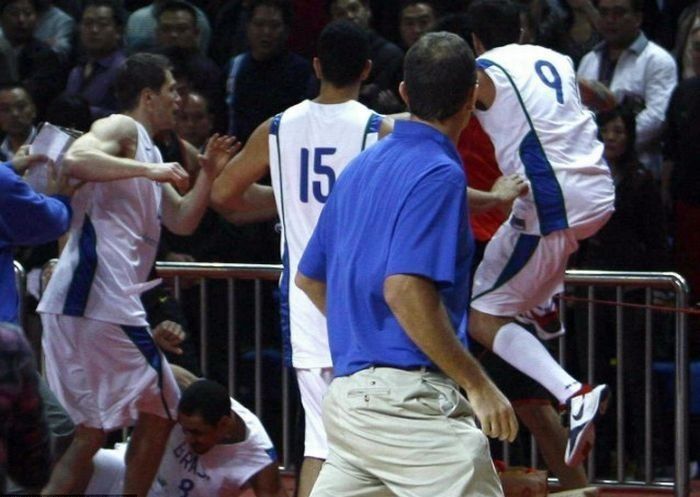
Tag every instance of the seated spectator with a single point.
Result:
(17, 117)
(381, 89)
(101, 27)
(688, 23)
(142, 24)
(636, 70)
(267, 78)
(26, 59)
(225, 446)
(177, 36)
(55, 28)
(415, 18)
(682, 151)
(229, 31)
(24, 434)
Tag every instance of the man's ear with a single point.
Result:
(404, 94)
(367, 69)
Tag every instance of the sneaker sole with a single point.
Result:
(587, 437)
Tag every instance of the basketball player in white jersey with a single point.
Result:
(101, 360)
(305, 149)
(218, 448)
(529, 105)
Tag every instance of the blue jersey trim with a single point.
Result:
(522, 252)
(373, 124)
(143, 340)
(275, 125)
(484, 63)
(285, 322)
(84, 273)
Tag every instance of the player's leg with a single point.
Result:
(73, 471)
(313, 384)
(146, 447)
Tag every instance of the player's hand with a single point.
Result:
(23, 160)
(217, 153)
(494, 412)
(169, 335)
(169, 172)
(508, 188)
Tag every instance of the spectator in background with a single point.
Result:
(381, 89)
(142, 24)
(194, 121)
(24, 434)
(684, 50)
(636, 70)
(55, 28)
(177, 35)
(24, 58)
(101, 29)
(682, 178)
(229, 30)
(17, 115)
(416, 17)
(267, 78)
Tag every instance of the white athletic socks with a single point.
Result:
(525, 352)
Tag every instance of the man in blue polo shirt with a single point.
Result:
(388, 264)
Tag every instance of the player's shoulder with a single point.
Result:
(115, 125)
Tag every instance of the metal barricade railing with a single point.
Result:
(591, 280)
(649, 282)
(20, 284)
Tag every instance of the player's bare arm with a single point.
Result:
(107, 151)
(235, 188)
(501, 196)
(181, 214)
(268, 483)
(416, 303)
(485, 92)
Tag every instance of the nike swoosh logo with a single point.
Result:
(579, 415)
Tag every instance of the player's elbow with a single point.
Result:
(74, 164)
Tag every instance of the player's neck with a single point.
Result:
(141, 117)
(330, 94)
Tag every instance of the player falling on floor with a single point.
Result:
(529, 105)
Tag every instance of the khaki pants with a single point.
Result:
(404, 433)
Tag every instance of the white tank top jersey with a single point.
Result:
(310, 145)
(113, 241)
(540, 130)
(222, 471)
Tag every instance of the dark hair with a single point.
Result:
(207, 399)
(6, 3)
(118, 13)
(177, 5)
(626, 113)
(343, 50)
(284, 6)
(70, 111)
(439, 69)
(138, 72)
(408, 3)
(458, 24)
(495, 22)
(637, 5)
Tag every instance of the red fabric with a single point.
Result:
(481, 168)
(687, 249)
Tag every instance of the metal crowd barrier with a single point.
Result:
(20, 284)
(590, 280)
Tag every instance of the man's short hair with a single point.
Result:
(175, 6)
(343, 50)
(138, 72)
(495, 22)
(458, 24)
(206, 399)
(403, 4)
(118, 13)
(6, 3)
(284, 6)
(439, 69)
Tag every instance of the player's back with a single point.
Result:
(541, 130)
(310, 145)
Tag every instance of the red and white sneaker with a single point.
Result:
(585, 407)
(546, 320)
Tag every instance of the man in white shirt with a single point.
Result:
(636, 70)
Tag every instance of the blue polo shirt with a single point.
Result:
(399, 208)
